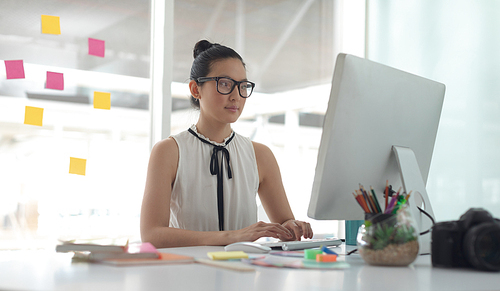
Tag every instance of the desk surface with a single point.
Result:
(44, 270)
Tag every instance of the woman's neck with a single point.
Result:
(216, 133)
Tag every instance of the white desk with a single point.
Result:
(44, 270)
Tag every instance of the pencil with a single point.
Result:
(393, 201)
(363, 200)
(408, 196)
(372, 200)
(391, 204)
(367, 198)
(360, 202)
(375, 198)
(357, 200)
(363, 197)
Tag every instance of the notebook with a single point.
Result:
(143, 250)
(165, 258)
(303, 244)
(93, 245)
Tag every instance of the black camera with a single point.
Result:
(473, 241)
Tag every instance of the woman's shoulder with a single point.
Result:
(165, 147)
(261, 150)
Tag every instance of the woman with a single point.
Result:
(201, 183)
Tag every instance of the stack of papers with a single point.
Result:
(119, 252)
(93, 245)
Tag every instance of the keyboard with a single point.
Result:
(303, 244)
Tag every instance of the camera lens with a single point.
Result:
(482, 246)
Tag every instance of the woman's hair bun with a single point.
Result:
(202, 46)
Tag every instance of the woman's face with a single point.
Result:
(218, 107)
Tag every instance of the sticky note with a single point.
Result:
(102, 100)
(227, 255)
(311, 253)
(326, 258)
(14, 69)
(96, 47)
(54, 81)
(50, 24)
(77, 166)
(33, 116)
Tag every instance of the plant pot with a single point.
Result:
(388, 239)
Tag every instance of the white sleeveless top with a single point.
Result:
(193, 204)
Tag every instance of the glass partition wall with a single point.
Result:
(80, 171)
(289, 48)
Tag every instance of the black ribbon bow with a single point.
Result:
(217, 169)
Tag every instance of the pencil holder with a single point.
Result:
(388, 239)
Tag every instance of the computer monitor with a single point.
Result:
(381, 124)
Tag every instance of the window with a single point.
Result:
(41, 200)
(456, 44)
(289, 48)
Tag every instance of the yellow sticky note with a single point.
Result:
(50, 24)
(102, 100)
(77, 166)
(33, 116)
(227, 255)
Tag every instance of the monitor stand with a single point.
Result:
(411, 178)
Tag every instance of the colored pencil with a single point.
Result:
(393, 201)
(365, 206)
(363, 198)
(375, 199)
(372, 199)
(360, 202)
(369, 198)
(408, 196)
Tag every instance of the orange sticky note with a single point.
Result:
(33, 116)
(50, 24)
(77, 166)
(102, 100)
(326, 258)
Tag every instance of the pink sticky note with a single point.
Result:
(15, 69)
(96, 47)
(55, 81)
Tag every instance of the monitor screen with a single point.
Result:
(372, 108)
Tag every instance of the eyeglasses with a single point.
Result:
(225, 85)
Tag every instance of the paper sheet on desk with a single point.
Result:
(278, 262)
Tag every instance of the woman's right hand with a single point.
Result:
(263, 229)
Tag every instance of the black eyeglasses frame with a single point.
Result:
(235, 83)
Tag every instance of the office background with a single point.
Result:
(289, 47)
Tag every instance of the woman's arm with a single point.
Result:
(272, 194)
(155, 211)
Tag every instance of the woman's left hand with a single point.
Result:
(298, 228)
